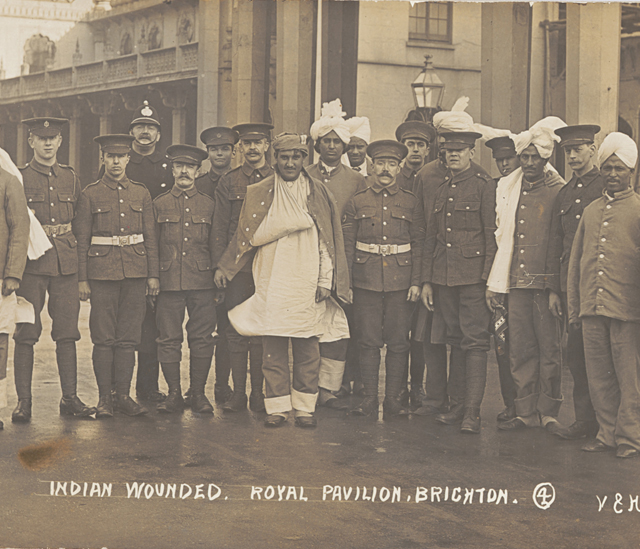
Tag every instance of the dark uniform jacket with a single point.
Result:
(52, 194)
(208, 183)
(460, 244)
(571, 201)
(229, 197)
(185, 239)
(116, 208)
(322, 208)
(407, 178)
(14, 227)
(343, 182)
(384, 216)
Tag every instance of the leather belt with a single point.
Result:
(383, 249)
(117, 240)
(55, 230)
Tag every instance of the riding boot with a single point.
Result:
(199, 371)
(67, 367)
(174, 402)
(256, 398)
(369, 361)
(23, 372)
(394, 383)
(238, 400)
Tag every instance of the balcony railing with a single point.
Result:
(118, 70)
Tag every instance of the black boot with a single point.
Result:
(104, 408)
(395, 403)
(199, 371)
(126, 405)
(453, 416)
(238, 400)
(73, 406)
(369, 361)
(366, 407)
(23, 369)
(174, 402)
(256, 398)
(471, 421)
(22, 412)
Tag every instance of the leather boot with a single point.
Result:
(104, 408)
(238, 400)
(126, 405)
(22, 412)
(73, 406)
(67, 367)
(453, 416)
(396, 399)
(367, 407)
(221, 393)
(23, 370)
(393, 408)
(237, 403)
(471, 421)
(172, 404)
(102, 358)
(256, 398)
(199, 371)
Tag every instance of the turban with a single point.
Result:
(455, 120)
(290, 142)
(622, 146)
(359, 127)
(331, 119)
(489, 133)
(541, 135)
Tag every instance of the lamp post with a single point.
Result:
(428, 91)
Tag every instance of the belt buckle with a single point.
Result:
(123, 240)
(53, 230)
(385, 249)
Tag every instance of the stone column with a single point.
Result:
(208, 62)
(175, 97)
(73, 110)
(294, 67)
(22, 150)
(593, 65)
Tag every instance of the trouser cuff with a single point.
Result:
(303, 401)
(331, 372)
(528, 405)
(548, 406)
(278, 405)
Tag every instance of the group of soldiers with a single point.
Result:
(371, 246)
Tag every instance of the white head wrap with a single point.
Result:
(359, 127)
(622, 146)
(541, 135)
(455, 120)
(331, 119)
(489, 133)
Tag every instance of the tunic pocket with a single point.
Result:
(102, 216)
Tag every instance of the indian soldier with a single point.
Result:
(458, 254)
(417, 137)
(524, 208)
(117, 269)
(219, 142)
(504, 153)
(229, 197)
(383, 227)
(147, 165)
(52, 192)
(185, 244)
(604, 297)
(332, 135)
(290, 223)
(14, 243)
(356, 152)
(585, 186)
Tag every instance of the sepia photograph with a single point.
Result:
(319, 273)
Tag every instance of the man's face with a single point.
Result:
(386, 169)
(331, 148)
(45, 148)
(184, 174)
(356, 151)
(617, 176)
(459, 160)
(418, 151)
(532, 164)
(220, 156)
(115, 164)
(254, 149)
(289, 164)
(507, 165)
(146, 134)
(579, 156)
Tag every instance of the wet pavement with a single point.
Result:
(433, 486)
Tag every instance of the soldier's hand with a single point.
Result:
(427, 296)
(220, 280)
(494, 299)
(322, 294)
(10, 285)
(153, 286)
(555, 305)
(85, 290)
(413, 294)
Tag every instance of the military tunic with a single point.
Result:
(208, 183)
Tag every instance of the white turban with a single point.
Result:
(489, 133)
(359, 127)
(455, 120)
(622, 146)
(541, 135)
(331, 119)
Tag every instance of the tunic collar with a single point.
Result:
(377, 187)
(112, 183)
(619, 195)
(408, 171)
(248, 170)
(586, 179)
(44, 170)
(175, 191)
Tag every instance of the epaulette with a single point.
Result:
(68, 167)
(207, 196)
(407, 191)
(137, 183)
(362, 190)
(91, 184)
(161, 195)
(485, 176)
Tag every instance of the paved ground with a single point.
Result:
(234, 453)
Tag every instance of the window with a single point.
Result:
(430, 21)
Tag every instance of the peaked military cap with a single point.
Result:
(45, 126)
(502, 147)
(414, 129)
(219, 135)
(578, 134)
(387, 148)
(288, 141)
(145, 114)
(117, 143)
(187, 154)
(254, 130)
(459, 140)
